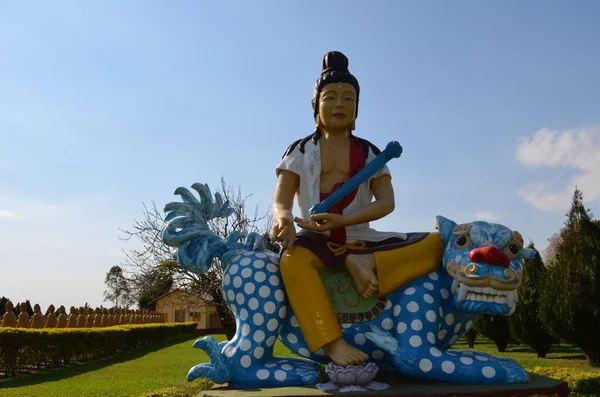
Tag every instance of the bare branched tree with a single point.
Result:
(155, 258)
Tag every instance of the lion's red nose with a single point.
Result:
(490, 255)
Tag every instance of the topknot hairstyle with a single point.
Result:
(334, 70)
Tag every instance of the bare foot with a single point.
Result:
(343, 354)
(362, 270)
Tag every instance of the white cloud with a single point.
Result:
(573, 154)
(486, 216)
(7, 214)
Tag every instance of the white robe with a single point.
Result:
(307, 166)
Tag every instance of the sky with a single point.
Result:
(107, 106)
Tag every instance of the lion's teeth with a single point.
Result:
(512, 309)
(455, 285)
(511, 298)
(462, 292)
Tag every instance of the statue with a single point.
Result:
(72, 319)
(111, 317)
(118, 316)
(89, 319)
(51, 320)
(81, 318)
(38, 319)
(390, 300)
(9, 319)
(97, 323)
(104, 318)
(128, 317)
(62, 317)
(23, 319)
(341, 237)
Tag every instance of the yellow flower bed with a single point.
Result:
(581, 383)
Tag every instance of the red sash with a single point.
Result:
(358, 159)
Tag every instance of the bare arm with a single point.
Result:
(283, 202)
(383, 205)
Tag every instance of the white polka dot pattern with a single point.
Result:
(420, 316)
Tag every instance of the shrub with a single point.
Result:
(167, 392)
(190, 390)
(22, 348)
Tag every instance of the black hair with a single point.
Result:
(334, 70)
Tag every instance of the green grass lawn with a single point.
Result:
(167, 364)
(563, 356)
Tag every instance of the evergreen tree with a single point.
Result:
(525, 323)
(29, 308)
(571, 299)
(494, 327)
(470, 336)
(3, 306)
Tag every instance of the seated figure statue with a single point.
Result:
(38, 319)
(62, 320)
(415, 294)
(50, 317)
(72, 318)
(23, 319)
(81, 318)
(312, 169)
(9, 319)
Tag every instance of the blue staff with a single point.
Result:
(392, 150)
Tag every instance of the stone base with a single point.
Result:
(409, 388)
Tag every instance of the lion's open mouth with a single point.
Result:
(485, 295)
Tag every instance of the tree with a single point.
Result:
(470, 336)
(118, 290)
(494, 327)
(525, 322)
(571, 300)
(3, 306)
(550, 251)
(155, 257)
(155, 284)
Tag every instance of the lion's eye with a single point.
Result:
(461, 241)
(513, 248)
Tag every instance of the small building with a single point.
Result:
(179, 306)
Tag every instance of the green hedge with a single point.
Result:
(22, 349)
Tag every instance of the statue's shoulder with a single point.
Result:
(300, 144)
(366, 145)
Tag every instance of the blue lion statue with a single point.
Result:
(409, 331)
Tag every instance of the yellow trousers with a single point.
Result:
(312, 306)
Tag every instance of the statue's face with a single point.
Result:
(337, 106)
